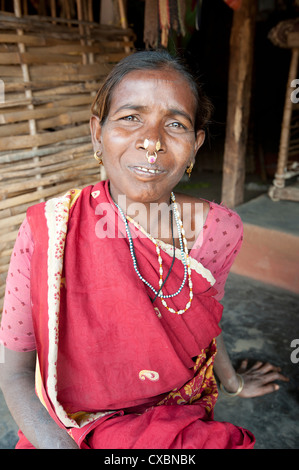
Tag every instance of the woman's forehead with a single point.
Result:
(153, 85)
(167, 75)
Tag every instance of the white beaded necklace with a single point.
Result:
(184, 257)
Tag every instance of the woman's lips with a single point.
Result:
(146, 171)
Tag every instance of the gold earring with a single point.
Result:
(97, 156)
(189, 169)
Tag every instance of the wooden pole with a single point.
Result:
(239, 93)
(279, 180)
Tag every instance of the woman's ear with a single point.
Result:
(199, 140)
(96, 132)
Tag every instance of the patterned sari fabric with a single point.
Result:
(114, 368)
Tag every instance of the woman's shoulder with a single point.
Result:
(211, 210)
(224, 211)
(197, 206)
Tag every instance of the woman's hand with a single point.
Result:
(259, 379)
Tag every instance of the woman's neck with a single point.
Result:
(155, 218)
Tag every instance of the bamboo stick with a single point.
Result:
(68, 71)
(67, 164)
(64, 119)
(68, 49)
(12, 129)
(31, 197)
(36, 58)
(5, 255)
(50, 102)
(31, 40)
(37, 113)
(68, 89)
(5, 213)
(3, 269)
(11, 156)
(48, 160)
(11, 221)
(62, 100)
(37, 140)
(7, 71)
(59, 154)
(74, 70)
(46, 72)
(30, 184)
(7, 237)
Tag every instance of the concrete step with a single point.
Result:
(270, 251)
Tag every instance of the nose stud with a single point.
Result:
(151, 158)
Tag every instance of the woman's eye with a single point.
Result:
(177, 125)
(129, 118)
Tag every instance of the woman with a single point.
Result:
(124, 323)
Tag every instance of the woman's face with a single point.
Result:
(153, 105)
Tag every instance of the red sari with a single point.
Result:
(115, 369)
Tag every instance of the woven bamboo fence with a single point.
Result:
(50, 70)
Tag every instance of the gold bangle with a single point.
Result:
(240, 388)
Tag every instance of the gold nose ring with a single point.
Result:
(151, 158)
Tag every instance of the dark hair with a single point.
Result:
(151, 60)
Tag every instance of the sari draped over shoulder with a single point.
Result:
(114, 368)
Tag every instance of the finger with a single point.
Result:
(272, 376)
(282, 377)
(256, 365)
(266, 367)
(266, 389)
(243, 366)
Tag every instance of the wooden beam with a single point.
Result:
(239, 92)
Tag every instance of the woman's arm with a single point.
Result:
(17, 381)
(258, 380)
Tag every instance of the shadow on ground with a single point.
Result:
(259, 323)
